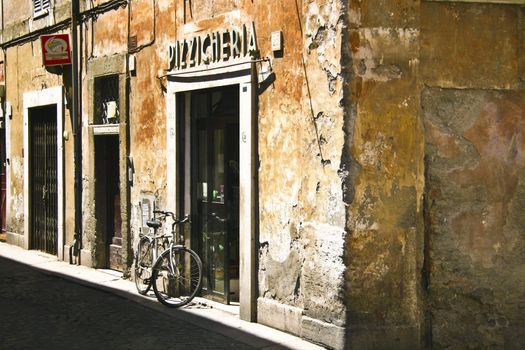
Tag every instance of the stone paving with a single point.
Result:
(43, 311)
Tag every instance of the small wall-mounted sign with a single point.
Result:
(106, 129)
(147, 205)
(55, 49)
(277, 41)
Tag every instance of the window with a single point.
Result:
(41, 7)
(106, 100)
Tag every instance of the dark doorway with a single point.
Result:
(107, 201)
(43, 179)
(2, 186)
(215, 188)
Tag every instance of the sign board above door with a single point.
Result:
(214, 47)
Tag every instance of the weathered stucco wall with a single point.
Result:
(110, 33)
(18, 17)
(300, 143)
(17, 14)
(15, 202)
(25, 73)
(151, 28)
(300, 132)
(105, 53)
(474, 112)
(302, 227)
(475, 202)
(154, 28)
(385, 164)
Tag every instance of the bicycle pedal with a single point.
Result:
(146, 281)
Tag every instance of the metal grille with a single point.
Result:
(107, 100)
(43, 153)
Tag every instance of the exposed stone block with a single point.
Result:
(322, 332)
(384, 338)
(385, 54)
(86, 258)
(400, 13)
(66, 252)
(280, 316)
(291, 319)
(467, 45)
(115, 257)
(476, 199)
(522, 47)
(15, 239)
(322, 277)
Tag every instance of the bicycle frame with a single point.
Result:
(171, 244)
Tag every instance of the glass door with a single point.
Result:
(215, 182)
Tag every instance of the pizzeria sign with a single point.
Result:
(219, 46)
(55, 49)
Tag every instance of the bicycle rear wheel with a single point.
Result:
(177, 276)
(143, 265)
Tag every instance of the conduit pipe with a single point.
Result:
(77, 131)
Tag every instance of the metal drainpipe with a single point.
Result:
(77, 131)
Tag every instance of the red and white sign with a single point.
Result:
(55, 49)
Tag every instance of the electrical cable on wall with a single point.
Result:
(63, 25)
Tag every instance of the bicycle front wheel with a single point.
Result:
(177, 276)
(143, 265)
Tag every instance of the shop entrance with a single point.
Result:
(215, 188)
(43, 179)
(211, 128)
(107, 201)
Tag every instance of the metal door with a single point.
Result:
(43, 178)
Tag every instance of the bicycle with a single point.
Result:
(177, 273)
(146, 254)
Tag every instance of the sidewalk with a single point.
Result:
(223, 319)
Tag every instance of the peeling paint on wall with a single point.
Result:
(390, 158)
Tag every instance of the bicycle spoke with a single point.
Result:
(177, 277)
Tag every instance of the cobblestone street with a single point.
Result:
(41, 311)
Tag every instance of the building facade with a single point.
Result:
(353, 169)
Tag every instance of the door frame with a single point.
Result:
(32, 99)
(193, 129)
(243, 75)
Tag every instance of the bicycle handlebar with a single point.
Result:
(163, 212)
(186, 219)
(169, 213)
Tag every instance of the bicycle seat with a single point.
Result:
(153, 224)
